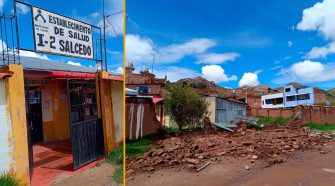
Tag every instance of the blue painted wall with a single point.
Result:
(295, 92)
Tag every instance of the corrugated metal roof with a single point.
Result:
(30, 63)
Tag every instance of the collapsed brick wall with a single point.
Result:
(308, 114)
(141, 118)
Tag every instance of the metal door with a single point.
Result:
(86, 127)
(221, 112)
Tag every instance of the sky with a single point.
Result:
(89, 12)
(234, 42)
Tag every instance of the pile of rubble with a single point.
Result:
(191, 150)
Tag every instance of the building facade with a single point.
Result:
(145, 83)
(293, 96)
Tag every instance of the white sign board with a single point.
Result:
(57, 34)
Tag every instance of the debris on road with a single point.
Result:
(190, 150)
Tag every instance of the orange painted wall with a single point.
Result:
(56, 126)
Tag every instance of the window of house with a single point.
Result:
(279, 101)
(287, 89)
(263, 102)
(239, 112)
(143, 90)
(290, 98)
(303, 97)
(269, 101)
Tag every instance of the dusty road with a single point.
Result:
(303, 168)
(96, 176)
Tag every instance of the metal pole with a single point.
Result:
(17, 32)
(104, 27)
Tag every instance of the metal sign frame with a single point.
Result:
(98, 60)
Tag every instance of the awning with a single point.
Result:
(120, 78)
(62, 74)
(156, 100)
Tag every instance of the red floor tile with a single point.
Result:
(53, 161)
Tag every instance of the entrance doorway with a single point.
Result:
(35, 115)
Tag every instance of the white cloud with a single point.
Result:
(175, 52)
(74, 63)
(276, 67)
(249, 79)
(2, 2)
(321, 52)
(216, 73)
(139, 49)
(319, 17)
(307, 72)
(142, 50)
(174, 73)
(215, 58)
(95, 14)
(22, 9)
(289, 43)
(33, 54)
(119, 70)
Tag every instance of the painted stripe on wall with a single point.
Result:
(5, 133)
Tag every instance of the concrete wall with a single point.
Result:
(14, 157)
(309, 114)
(272, 113)
(118, 104)
(55, 110)
(5, 125)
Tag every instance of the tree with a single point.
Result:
(185, 107)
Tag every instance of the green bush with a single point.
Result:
(8, 180)
(322, 127)
(186, 107)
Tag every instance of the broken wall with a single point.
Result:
(141, 118)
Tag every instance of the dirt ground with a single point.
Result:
(308, 167)
(98, 176)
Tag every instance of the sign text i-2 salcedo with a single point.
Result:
(57, 34)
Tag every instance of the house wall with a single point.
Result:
(299, 92)
(232, 110)
(55, 110)
(211, 108)
(14, 157)
(118, 104)
(319, 97)
(272, 96)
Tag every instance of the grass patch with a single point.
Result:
(265, 121)
(322, 127)
(116, 158)
(139, 147)
(118, 174)
(8, 180)
(171, 129)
